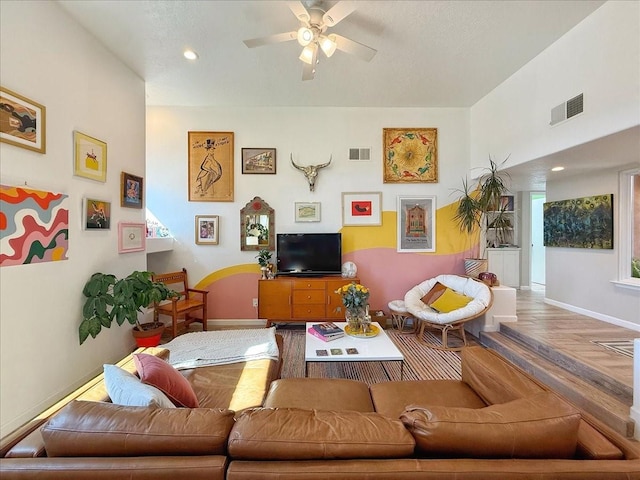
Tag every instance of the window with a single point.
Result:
(629, 270)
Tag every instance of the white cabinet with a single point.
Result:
(505, 263)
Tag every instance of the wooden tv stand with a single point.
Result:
(301, 299)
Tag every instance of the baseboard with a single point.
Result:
(598, 316)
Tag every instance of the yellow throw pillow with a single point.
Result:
(450, 301)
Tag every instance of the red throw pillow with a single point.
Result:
(155, 371)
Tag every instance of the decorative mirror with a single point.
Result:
(257, 226)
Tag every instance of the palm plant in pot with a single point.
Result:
(109, 299)
(471, 213)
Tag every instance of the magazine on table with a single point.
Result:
(328, 329)
(317, 334)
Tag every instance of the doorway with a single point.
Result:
(537, 240)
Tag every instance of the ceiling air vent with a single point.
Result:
(359, 154)
(568, 109)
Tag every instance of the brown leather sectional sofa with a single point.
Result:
(496, 423)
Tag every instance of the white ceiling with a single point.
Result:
(430, 53)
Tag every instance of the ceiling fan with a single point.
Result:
(312, 34)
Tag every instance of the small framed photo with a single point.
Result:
(90, 157)
(307, 211)
(207, 229)
(96, 214)
(361, 209)
(507, 203)
(416, 224)
(131, 191)
(258, 160)
(131, 237)
(22, 122)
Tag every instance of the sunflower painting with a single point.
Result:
(410, 155)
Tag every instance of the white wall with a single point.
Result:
(47, 57)
(312, 135)
(580, 278)
(599, 57)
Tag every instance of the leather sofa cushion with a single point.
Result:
(540, 426)
(320, 393)
(391, 398)
(94, 429)
(297, 434)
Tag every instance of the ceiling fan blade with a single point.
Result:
(354, 48)
(277, 38)
(299, 11)
(308, 71)
(336, 13)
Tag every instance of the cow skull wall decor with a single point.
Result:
(311, 171)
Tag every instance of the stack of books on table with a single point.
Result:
(326, 331)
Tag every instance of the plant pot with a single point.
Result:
(474, 266)
(150, 335)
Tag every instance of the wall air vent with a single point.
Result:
(568, 109)
(359, 154)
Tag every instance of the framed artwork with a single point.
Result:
(416, 224)
(585, 222)
(90, 157)
(131, 237)
(507, 203)
(210, 166)
(35, 226)
(207, 229)
(361, 209)
(22, 121)
(410, 155)
(131, 191)
(307, 211)
(96, 214)
(258, 160)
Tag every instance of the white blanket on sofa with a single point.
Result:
(201, 349)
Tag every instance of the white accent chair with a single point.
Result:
(482, 298)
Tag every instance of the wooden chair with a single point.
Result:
(190, 300)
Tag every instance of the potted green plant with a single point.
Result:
(264, 255)
(475, 202)
(109, 299)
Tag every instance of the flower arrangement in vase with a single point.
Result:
(355, 298)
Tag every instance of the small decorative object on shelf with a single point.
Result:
(349, 270)
(264, 255)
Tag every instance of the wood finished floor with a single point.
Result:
(573, 334)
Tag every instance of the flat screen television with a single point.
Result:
(309, 254)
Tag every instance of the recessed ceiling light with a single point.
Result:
(190, 55)
(557, 169)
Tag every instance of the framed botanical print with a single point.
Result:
(22, 121)
(131, 191)
(90, 157)
(210, 166)
(207, 229)
(416, 224)
(258, 160)
(410, 155)
(361, 209)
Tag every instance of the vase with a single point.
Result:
(354, 319)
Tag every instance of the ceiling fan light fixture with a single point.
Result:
(308, 54)
(328, 44)
(305, 36)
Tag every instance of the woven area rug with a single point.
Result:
(623, 347)
(421, 362)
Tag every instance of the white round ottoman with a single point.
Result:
(400, 316)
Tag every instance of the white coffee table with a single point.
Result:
(373, 349)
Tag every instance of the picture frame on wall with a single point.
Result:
(307, 211)
(131, 237)
(410, 155)
(259, 160)
(207, 229)
(90, 157)
(210, 166)
(22, 121)
(361, 209)
(416, 223)
(131, 191)
(96, 214)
